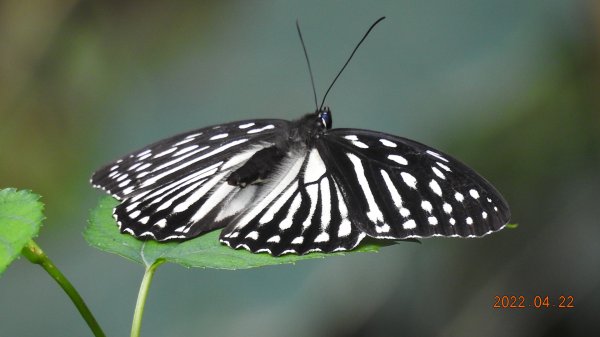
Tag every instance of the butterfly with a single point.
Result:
(280, 187)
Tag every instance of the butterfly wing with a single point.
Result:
(301, 210)
(176, 188)
(398, 188)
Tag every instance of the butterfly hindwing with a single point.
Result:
(176, 188)
(397, 188)
(300, 211)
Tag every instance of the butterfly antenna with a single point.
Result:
(349, 58)
(312, 80)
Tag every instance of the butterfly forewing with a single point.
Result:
(398, 188)
(300, 211)
(176, 188)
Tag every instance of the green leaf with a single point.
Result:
(512, 226)
(204, 251)
(20, 220)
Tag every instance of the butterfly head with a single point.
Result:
(325, 117)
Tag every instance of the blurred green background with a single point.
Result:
(511, 87)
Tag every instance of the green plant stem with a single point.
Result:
(136, 325)
(36, 255)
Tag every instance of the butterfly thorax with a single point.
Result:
(301, 133)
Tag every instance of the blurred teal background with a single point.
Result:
(511, 87)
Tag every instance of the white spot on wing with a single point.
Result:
(469, 220)
(298, 240)
(459, 197)
(132, 206)
(132, 167)
(474, 194)
(143, 153)
(252, 235)
(219, 136)
(435, 187)
(396, 198)
(426, 205)
(447, 208)
(194, 135)
(143, 167)
(245, 126)
(410, 224)
(185, 150)
(387, 143)
(382, 229)
(404, 212)
(315, 168)
(351, 137)
(432, 220)
(446, 168)
(275, 239)
(186, 140)
(313, 195)
(125, 183)
(438, 172)
(398, 159)
(270, 126)
(287, 222)
(409, 180)
(147, 155)
(437, 155)
(323, 237)
(360, 144)
(345, 228)
(325, 204)
(161, 223)
(374, 214)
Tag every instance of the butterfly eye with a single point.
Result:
(326, 120)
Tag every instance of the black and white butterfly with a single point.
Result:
(281, 186)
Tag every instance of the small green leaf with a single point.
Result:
(20, 220)
(204, 251)
(512, 225)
